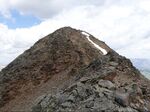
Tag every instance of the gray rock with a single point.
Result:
(89, 104)
(127, 109)
(111, 68)
(81, 91)
(136, 89)
(66, 104)
(61, 98)
(75, 93)
(101, 89)
(83, 109)
(39, 99)
(148, 105)
(122, 99)
(103, 104)
(46, 100)
(106, 84)
(91, 98)
(113, 63)
(84, 79)
(71, 98)
(37, 108)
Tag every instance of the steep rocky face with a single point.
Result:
(108, 84)
(66, 49)
(82, 68)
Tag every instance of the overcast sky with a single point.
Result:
(123, 24)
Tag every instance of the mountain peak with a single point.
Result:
(65, 57)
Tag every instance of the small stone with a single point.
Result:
(148, 105)
(111, 68)
(101, 89)
(106, 84)
(146, 109)
(101, 94)
(137, 105)
(110, 76)
(71, 98)
(89, 105)
(47, 99)
(81, 91)
(61, 98)
(39, 99)
(79, 84)
(84, 79)
(141, 101)
(136, 89)
(66, 104)
(74, 92)
(37, 108)
(132, 105)
(102, 104)
(113, 63)
(83, 110)
(127, 109)
(122, 98)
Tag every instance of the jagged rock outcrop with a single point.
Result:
(107, 84)
(70, 70)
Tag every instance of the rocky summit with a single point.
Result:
(70, 70)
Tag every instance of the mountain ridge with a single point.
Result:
(70, 61)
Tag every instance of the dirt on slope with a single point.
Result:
(64, 50)
(64, 62)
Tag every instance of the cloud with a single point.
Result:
(42, 9)
(5, 8)
(123, 25)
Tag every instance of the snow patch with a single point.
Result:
(86, 34)
(97, 46)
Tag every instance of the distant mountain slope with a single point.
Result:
(1, 67)
(146, 73)
(143, 65)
